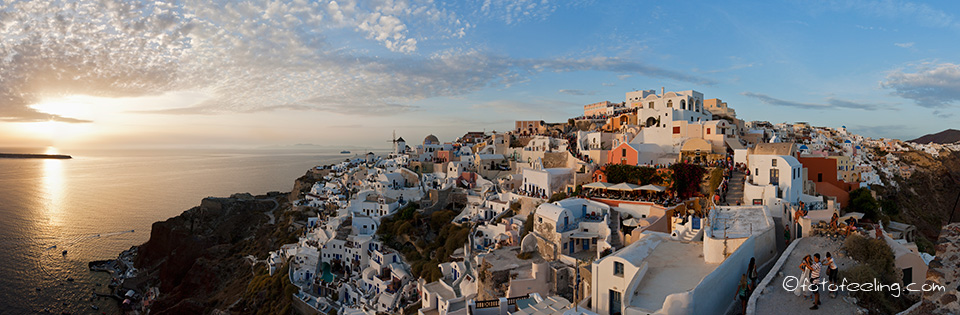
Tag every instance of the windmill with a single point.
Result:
(399, 145)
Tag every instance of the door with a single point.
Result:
(614, 302)
(586, 244)
(572, 248)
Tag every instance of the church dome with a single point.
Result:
(431, 139)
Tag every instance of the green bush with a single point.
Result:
(876, 262)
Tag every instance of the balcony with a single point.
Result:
(576, 223)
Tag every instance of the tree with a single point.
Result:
(687, 179)
(861, 200)
(619, 173)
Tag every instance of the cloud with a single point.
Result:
(943, 114)
(831, 103)
(618, 65)
(261, 55)
(904, 45)
(515, 11)
(932, 85)
(577, 92)
(608, 84)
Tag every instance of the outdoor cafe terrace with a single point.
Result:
(630, 192)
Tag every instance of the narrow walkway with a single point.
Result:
(269, 213)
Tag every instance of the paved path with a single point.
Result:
(269, 213)
(776, 300)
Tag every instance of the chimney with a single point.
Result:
(661, 91)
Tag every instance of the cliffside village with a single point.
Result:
(601, 247)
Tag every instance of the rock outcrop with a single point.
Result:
(945, 272)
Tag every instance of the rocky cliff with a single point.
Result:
(926, 199)
(201, 259)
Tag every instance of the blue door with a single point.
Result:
(586, 244)
(571, 247)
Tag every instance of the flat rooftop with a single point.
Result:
(441, 290)
(738, 221)
(674, 267)
(774, 299)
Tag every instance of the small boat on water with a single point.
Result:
(344, 152)
(64, 252)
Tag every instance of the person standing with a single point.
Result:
(815, 279)
(804, 279)
(832, 272)
(743, 293)
(752, 272)
(786, 234)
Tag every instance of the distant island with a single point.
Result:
(34, 156)
(943, 137)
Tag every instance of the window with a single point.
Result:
(773, 162)
(617, 267)
(650, 105)
(683, 104)
(670, 103)
(676, 130)
(623, 152)
(708, 131)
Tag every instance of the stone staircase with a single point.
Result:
(735, 188)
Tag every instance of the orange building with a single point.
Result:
(823, 172)
(623, 154)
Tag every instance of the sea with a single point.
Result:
(102, 202)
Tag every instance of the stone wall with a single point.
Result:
(944, 271)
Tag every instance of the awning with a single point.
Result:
(624, 187)
(595, 185)
(631, 222)
(652, 187)
(733, 143)
(584, 235)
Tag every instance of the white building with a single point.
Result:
(572, 226)
(773, 177)
(546, 182)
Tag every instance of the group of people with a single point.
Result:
(813, 271)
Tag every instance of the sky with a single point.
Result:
(118, 74)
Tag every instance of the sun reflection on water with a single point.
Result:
(53, 188)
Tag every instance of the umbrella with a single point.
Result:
(600, 185)
(624, 187)
(631, 222)
(652, 187)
